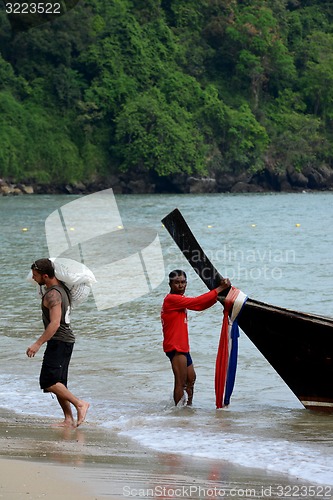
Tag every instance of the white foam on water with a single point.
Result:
(17, 396)
(243, 435)
(302, 460)
(277, 456)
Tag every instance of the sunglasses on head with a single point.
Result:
(36, 268)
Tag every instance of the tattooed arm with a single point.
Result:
(52, 301)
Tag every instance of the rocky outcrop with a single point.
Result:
(201, 185)
(8, 188)
(290, 180)
(320, 178)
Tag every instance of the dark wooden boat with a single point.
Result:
(299, 346)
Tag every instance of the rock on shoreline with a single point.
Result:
(268, 180)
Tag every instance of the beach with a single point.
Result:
(27, 479)
(41, 461)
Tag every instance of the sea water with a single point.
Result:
(277, 248)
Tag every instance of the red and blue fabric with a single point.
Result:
(227, 354)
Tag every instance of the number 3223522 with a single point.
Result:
(33, 8)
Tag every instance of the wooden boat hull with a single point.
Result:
(299, 346)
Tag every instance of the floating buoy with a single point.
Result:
(120, 227)
(72, 228)
(298, 225)
(24, 229)
(209, 226)
(253, 225)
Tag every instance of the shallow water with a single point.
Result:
(275, 247)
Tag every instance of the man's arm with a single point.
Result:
(177, 302)
(52, 301)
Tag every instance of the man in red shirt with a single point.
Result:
(175, 331)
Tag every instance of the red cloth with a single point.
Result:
(222, 358)
(174, 318)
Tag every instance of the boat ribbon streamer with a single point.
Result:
(227, 354)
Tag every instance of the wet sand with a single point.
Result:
(40, 461)
(28, 479)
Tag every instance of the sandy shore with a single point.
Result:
(31, 480)
(91, 463)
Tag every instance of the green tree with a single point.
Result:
(35, 145)
(317, 75)
(296, 138)
(153, 135)
(262, 57)
(244, 142)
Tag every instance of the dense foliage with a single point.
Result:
(167, 86)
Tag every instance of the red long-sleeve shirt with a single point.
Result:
(174, 318)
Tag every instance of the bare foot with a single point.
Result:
(65, 423)
(82, 412)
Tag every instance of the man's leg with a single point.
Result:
(179, 368)
(191, 376)
(65, 397)
(67, 409)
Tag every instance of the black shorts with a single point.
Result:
(171, 355)
(55, 363)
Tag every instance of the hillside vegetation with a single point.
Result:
(167, 87)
